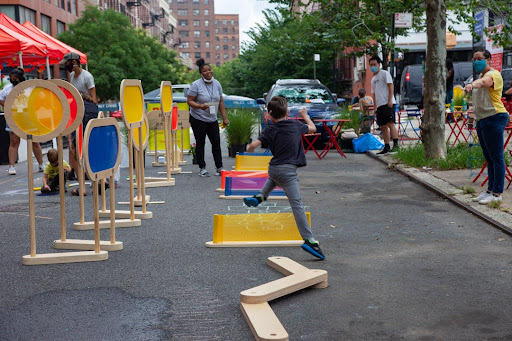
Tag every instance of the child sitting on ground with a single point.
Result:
(284, 139)
(51, 172)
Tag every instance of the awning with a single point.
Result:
(14, 45)
(65, 48)
(55, 53)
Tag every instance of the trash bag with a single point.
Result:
(366, 142)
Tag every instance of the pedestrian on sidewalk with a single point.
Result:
(491, 119)
(17, 76)
(382, 92)
(284, 139)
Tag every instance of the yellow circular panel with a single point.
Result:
(37, 111)
(166, 98)
(145, 134)
(133, 104)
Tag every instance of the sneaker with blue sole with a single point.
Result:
(313, 248)
(251, 202)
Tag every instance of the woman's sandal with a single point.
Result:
(76, 193)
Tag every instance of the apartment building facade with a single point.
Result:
(200, 31)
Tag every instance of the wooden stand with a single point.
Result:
(261, 319)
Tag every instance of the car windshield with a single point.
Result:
(304, 94)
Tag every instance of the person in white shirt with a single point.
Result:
(382, 92)
(16, 76)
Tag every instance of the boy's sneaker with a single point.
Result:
(219, 170)
(313, 248)
(203, 172)
(253, 201)
(482, 196)
(489, 199)
(41, 168)
(12, 170)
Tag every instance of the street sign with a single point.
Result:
(403, 20)
(317, 57)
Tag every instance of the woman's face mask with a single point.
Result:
(479, 65)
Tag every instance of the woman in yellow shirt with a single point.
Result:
(492, 118)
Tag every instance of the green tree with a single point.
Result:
(116, 51)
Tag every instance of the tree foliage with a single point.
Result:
(282, 47)
(116, 51)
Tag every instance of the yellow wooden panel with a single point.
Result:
(256, 227)
(252, 162)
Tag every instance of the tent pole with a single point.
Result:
(21, 61)
(48, 68)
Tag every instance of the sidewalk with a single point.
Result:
(450, 184)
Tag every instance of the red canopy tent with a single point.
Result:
(16, 49)
(55, 53)
(64, 48)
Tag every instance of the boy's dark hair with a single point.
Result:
(19, 73)
(485, 52)
(376, 58)
(52, 155)
(277, 107)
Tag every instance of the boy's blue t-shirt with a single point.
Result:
(284, 140)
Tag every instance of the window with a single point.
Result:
(234, 55)
(186, 54)
(217, 56)
(216, 30)
(197, 55)
(225, 39)
(207, 44)
(224, 30)
(196, 23)
(181, 1)
(197, 45)
(217, 38)
(206, 2)
(207, 23)
(184, 45)
(182, 23)
(57, 3)
(182, 12)
(216, 21)
(207, 33)
(232, 21)
(195, 12)
(208, 55)
(217, 64)
(197, 34)
(73, 7)
(232, 38)
(233, 30)
(27, 14)
(217, 47)
(69, 6)
(8, 10)
(226, 56)
(224, 22)
(206, 12)
(46, 23)
(233, 47)
(225, 47)
(195, 1)
(63, 4)
(183, 33)
(61, 27)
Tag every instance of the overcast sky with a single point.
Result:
(249, 11)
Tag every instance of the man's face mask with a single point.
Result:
(69, 67)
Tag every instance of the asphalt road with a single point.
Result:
(403, 264)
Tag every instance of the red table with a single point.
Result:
(332, 135)
(508, 174)
(456, 129)
(305, 138)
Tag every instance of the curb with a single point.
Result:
(444, 195)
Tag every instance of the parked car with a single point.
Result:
(179, 95)
(301, 93)
(411, 84)
(506, 74)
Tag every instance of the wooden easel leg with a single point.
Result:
(141, 172)
(60, 147)
(130, 166)
(112, 211)
(31, 208)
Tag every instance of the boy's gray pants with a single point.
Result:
(285, 176)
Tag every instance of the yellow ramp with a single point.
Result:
(255, 230)
(252, 162)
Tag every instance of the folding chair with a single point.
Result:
(310, 142)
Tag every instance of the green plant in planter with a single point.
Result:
(240, 128)
(354, 116)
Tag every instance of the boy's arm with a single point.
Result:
(45, 180)
(253, 145)
(304, 115)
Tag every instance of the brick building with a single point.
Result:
(201, 34)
